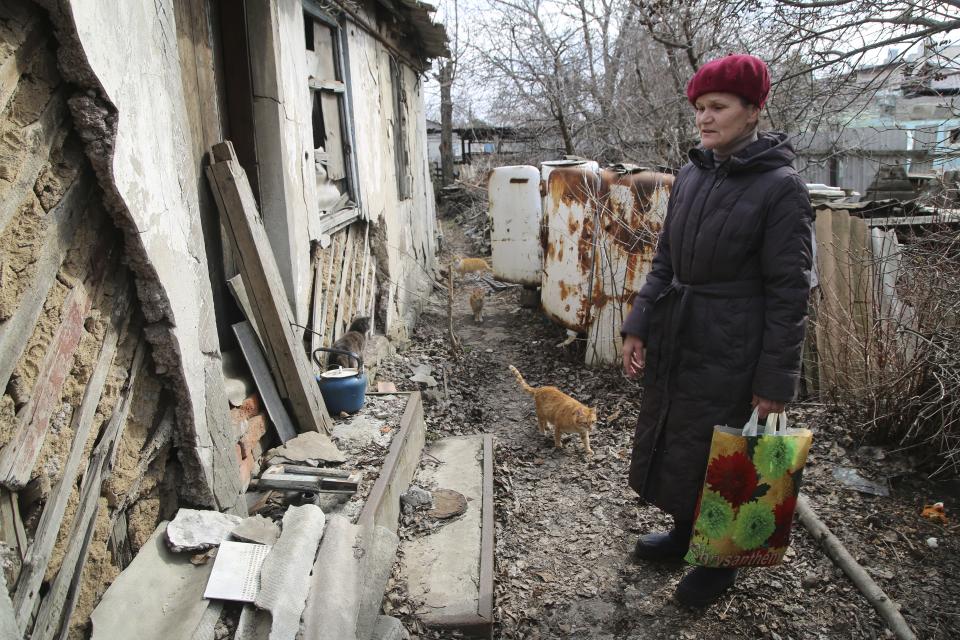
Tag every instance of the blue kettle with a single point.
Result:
(343, 389)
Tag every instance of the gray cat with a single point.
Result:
(355, 340)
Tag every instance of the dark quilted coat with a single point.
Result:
(723, 311)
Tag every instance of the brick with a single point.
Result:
(250, 407)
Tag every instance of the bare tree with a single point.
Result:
(606, 78)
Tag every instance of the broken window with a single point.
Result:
(400, 153)
(332, 133)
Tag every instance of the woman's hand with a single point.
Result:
(634, 356)
(764, 405)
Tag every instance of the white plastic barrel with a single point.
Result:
(515, 233)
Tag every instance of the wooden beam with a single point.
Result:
(283, 349)
(341, 303)
(12, 532)
(33, 420)
(39, 138)
(336, 249)
(308, 484)
(38, 556)
(239, 291)
(316, 308)
(161, 437)
(250, 347)
(58, 604)
(63, 219)
(305, 470)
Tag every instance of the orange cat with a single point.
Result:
(469, 265)
(563, 412)
(476, 303)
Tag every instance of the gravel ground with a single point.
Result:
(565, 523)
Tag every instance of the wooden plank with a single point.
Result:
(58, 604)
(239, 292)
(250, 347)
(304, 470)
(329, 295)
(301, 483)
(345, 270)
(119, 544)
(330, 104)
(38, 556)
(283, 349)
(316, 309)
(826, 304)
(360, 309)
(40, 138)
(382, 507)
(12, 532)
(64, 220)
(20, 454)
(372, 294)
(310, 479)
(331, 223)
(487, 530)
(161, 437)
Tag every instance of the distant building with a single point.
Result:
(909, 117)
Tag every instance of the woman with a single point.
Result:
(718, 326)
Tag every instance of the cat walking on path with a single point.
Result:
(566, 414)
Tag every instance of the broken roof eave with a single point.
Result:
(418, 16)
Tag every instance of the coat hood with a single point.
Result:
(770, 151)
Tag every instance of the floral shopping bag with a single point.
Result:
(749, 494)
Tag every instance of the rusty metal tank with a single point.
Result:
(515, 212)
(633, 207)
(570, 217)
(600, 234)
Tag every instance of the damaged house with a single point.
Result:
(119, 288)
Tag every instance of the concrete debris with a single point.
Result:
(254, 624)
(206, 629)
(389, 628)
(359, 431)
(195, 530)
(310, 448)
(285, 576)
(415, 497)
(8, 624)
(421, 370)
(421, 378)
(257, 529)
(349, 578)
(164, 591)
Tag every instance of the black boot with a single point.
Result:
(668, 546)
(702, 586)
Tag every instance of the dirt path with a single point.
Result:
(566, 523)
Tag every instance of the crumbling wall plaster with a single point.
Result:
(134, 123)
(409, 226)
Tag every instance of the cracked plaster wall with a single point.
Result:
(410, 225)
(134, 123)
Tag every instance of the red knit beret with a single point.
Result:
(743, 75)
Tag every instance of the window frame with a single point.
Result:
(312, 9)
